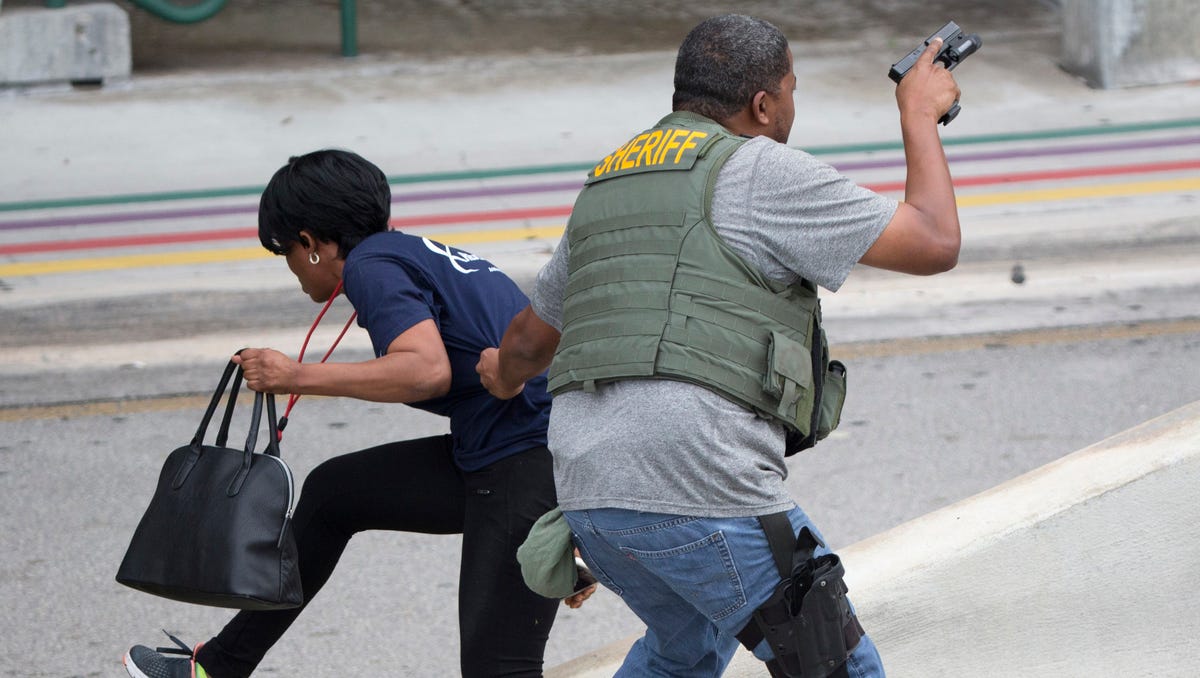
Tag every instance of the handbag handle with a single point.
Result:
(230, 403)
(198, 439)
(255, 421)
(197, 444)
(235, 371)
(235, 485)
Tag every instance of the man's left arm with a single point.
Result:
(525, 351)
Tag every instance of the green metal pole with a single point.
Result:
(349, 28)
(56, 4)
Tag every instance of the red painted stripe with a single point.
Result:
(1052, 175)
(565, 210)
(129, 241)
(252, 234)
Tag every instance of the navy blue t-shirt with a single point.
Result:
(395, 280)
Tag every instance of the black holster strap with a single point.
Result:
(797, 618)
(782, 541)
(783, 547)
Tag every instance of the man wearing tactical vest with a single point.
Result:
(680, 322)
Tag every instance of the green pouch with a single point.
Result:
(833, 396)
(789, 377)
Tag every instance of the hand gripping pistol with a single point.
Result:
(956, 46)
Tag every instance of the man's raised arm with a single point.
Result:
(923, 236)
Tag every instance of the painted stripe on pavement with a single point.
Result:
(23, 269)
(1076, 192)
(562, 211)
(1103, 130)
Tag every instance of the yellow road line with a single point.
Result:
(848, 351)
(1076, 192)
(1036, 337)
(106, 408)
(111, 408)
(130, 261)
(511, 234)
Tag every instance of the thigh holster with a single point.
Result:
(807, 621)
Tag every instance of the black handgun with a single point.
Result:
(956, 46)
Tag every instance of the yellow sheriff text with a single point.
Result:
(649, 149)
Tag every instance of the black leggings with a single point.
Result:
(414, 486)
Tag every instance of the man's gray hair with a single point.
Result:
(725, 61)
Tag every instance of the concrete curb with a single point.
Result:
(1074, 569)
(86, 43)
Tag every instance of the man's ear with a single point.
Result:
(758, 108)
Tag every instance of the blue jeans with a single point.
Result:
(694, 582)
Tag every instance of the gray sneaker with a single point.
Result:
(143, 662)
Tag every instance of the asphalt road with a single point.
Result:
(949, 396)
(926, 424)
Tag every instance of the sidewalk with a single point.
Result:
(486, 124)
(1032, 577)
(225, 102)
(214, 129)
(197, 126)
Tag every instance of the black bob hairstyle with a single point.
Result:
(335, 195)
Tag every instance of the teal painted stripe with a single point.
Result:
(130, 198)
(1017, 136)
(238, 191)
(400, 180)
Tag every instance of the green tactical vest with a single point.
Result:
(654, 292)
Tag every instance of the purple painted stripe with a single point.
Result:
(197, 212)
(122, 217)
(1013, 154)
(519, 189)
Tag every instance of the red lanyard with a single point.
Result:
(304, 347)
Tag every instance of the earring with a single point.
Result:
(314, 258)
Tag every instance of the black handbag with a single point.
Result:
(218, 530)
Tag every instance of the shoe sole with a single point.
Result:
(132, 668)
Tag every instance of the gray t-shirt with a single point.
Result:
(673, 447)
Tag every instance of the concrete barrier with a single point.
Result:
(79, 43)
(1084, 567)
(1123, 43)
